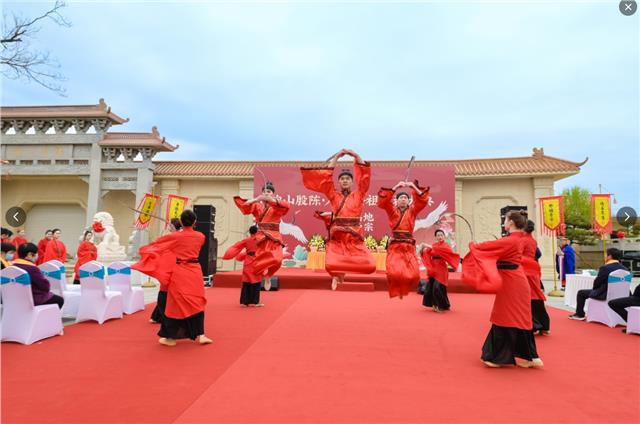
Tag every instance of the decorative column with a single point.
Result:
(94, 202)
(543, 187)
(143, 185)
(462, 241)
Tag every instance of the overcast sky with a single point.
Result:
(300, 80)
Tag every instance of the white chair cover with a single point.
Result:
(618, 286)
(54, 272)
(96, 303)
(633, 320)
(23, 322)
(119, 279)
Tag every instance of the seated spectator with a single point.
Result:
(40, 287)
(600, 284)
(8, 254)
(619, 305)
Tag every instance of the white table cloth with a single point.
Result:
(576, 282)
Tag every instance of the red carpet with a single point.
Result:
(299, 278)
(321, 356)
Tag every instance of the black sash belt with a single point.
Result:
(181, 261)
(436, 257)
(507, 265)
(251, 253)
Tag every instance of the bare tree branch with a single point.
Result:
(20, 61)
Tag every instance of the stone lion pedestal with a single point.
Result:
(106, 239)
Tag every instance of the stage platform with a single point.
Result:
(300, 278)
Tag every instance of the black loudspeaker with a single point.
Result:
(206, 223)
(503, 213)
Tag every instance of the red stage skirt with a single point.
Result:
(403, 271)
(347, 253)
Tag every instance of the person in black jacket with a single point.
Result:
(619, 305)
(600, 284)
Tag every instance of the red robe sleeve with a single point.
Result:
(18, 241)
(479, 267)
(420, 199)
(281, 205)
(233, 251)
(385, 200)
(319, 180)
(445, 252)
(87, 252)
(42, 249)
(362, 175)
(154, 258)
(55, 250)
(245, 208)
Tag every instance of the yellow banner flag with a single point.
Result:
(175, 206)
(601, 212)
(552, 214)
(146, 208)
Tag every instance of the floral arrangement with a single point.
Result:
(316, 242)
(384, 241)
(371, 243)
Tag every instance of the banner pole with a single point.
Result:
(555, 292)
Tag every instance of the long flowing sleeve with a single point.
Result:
(153, 256)
(233, 251)
(245, 208)
(362, 174)
(319, 180)
(385, 200)
(420, 199)
(479, 265)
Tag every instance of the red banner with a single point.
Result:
(299, 225)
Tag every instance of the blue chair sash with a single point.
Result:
(125, 271)
(98, 274)
(22, 279)
(56, 275)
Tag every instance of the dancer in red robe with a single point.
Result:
(268, 212)
(166, 261)
(184, 313)
(245, 250)
(42, 246)
(55, 248)
(403, 271)
(539, 315)
(346, 251)
(496, 266)
(87, 252)
(435, 258)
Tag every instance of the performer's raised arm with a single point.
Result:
(420, 196)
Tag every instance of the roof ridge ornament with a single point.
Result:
(538, 152)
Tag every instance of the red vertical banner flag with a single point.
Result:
(175, 206)
(145, 210)
(601, 210)
(552, 215)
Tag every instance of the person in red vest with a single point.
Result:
(496, 266)
(55, 248)
(345, 250)
(268, 211)
(42, 246)
(250, 293)
(436, 257)
(184, 313)
(87, 252)
(20, 238)
(403, 271)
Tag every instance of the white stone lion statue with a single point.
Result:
(106, 239)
